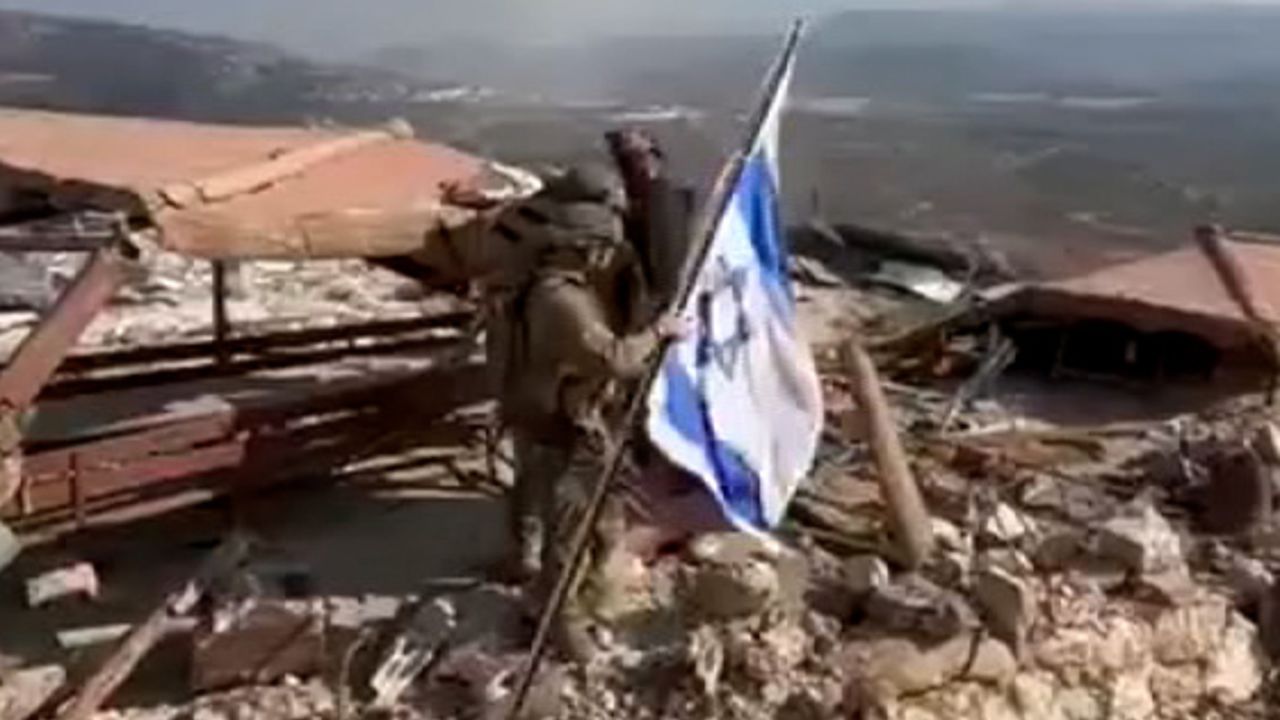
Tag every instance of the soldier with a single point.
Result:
(560, 346)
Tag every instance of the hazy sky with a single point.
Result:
(351, 26)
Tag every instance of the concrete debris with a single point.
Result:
(1239, 494)
(1008, 603)
(866, 574)
(734, 576)
(79, 579)
(10, 546)
(1249, 578)
(1045, 590)
(1143, 540)
(259, 644)
(24, 692)
(915, 607)
(1006, 525)
(77, 638)
(411, 651)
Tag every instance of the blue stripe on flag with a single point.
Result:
(687, 413)
(758, 201)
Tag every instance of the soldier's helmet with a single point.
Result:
(591, 184)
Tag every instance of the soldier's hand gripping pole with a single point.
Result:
(717, 205)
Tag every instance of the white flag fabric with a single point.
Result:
(738, 402)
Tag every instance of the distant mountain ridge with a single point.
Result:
(103, 67)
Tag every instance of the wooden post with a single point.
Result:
(912, 526)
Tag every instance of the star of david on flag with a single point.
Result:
(737, 403)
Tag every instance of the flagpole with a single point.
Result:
(715, 208)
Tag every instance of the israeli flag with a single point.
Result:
(738, 402)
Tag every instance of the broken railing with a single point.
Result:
(123, 433)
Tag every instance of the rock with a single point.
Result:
(950, 569)
(10, 546)
(1249, 578)
(77, 638)
(23, 692)
(1080, 704)
(949, 537)
(1143, 540)
(1008, 603)
(1266, 442)
(865, 574)
(1075, 501)
(412, 649)
(1058, 550)
(949, 496)
(269, 640)
(1106, 574)
(1235, 670)
(706, 656)
(892, 668)
(733, 549)
(1008, 559)
(1107, 647)
(734, 575)
(1005, 525)
(77, 579)
(725, 592)
(1130, 697)
(1191, 633)
(1173, 587)
(1239, 495)
(992, 662)
(1034, 695)
(912, 605)
(1177, 689)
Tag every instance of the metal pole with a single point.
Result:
(221, 330)
(717, 204)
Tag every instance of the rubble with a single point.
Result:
(24, 692)
(78, 579)
(914, 606)
(1009, 604)
(1143, 540)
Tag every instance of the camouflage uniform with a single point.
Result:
(559, 346)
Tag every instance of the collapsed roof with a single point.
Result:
(228, 191)
(1176, 291)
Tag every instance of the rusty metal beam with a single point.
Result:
(258, 344)
(249, 447)
(38, 357)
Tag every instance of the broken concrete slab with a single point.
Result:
(24, 692)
